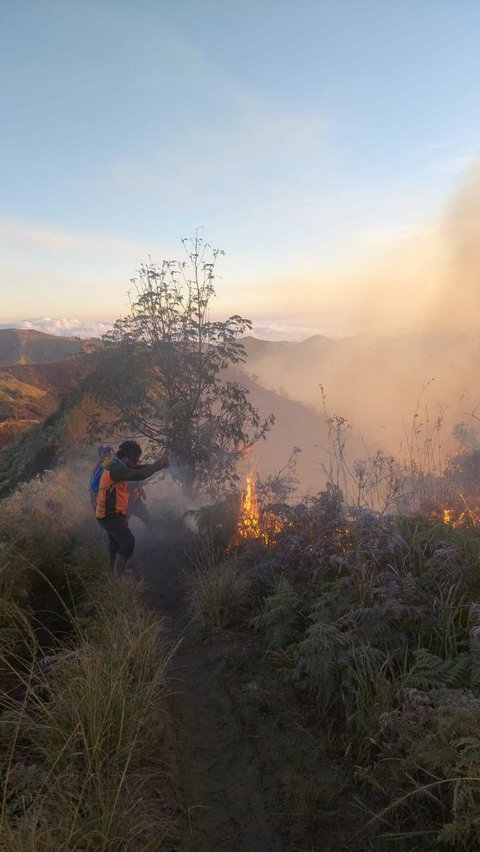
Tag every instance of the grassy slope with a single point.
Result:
(27, 346)
(82, 663)
(17, 397)
(40, 447)
(50, 434)
(30, 393)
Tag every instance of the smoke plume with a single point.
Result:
(430, 280)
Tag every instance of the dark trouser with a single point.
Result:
(137, 509)
(120, 539)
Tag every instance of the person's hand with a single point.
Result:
(163, 462)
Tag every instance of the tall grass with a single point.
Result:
(81, 716)
(218, 591)
(83, 770)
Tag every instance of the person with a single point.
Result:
(105, 454)
(112, 501)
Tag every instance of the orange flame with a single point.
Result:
(460, 515)
(251, 522)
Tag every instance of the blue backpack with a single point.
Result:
(94, 484)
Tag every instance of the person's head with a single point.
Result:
(129, 452)
(105, 450)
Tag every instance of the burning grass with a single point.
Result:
(462, 514)
(254, 523)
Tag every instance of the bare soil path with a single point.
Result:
(217, 770)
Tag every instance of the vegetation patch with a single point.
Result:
(14, 393)
(82, 671)
(364, 689)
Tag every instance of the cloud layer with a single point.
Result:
(267, 329)
(63, 326)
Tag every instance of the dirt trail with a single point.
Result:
(217, 771)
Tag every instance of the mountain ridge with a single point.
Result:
(29, 346)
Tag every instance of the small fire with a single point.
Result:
(271, 524)
(249, 521)
(252, 523)
(462, 514)
(447, 516)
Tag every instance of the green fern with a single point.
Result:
(474, 645)
(333, 601)
(431, 672)
(376, 626)
(281, 617)
(323, 660)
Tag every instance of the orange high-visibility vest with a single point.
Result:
(112, 496)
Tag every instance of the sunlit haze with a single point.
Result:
(329, 148)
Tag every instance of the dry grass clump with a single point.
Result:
(83, 769)
(49, 538)
(14, 573)
(82, 665)
(218, 591)
(50, 510)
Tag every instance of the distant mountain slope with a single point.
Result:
(27, 346)
(376, 382)
(31, 392)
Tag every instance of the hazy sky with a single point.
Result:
(303, 135)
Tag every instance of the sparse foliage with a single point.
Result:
(166, 372)
(280, 486)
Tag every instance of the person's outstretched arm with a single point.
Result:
(120, 472)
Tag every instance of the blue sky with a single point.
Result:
(300, 134)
